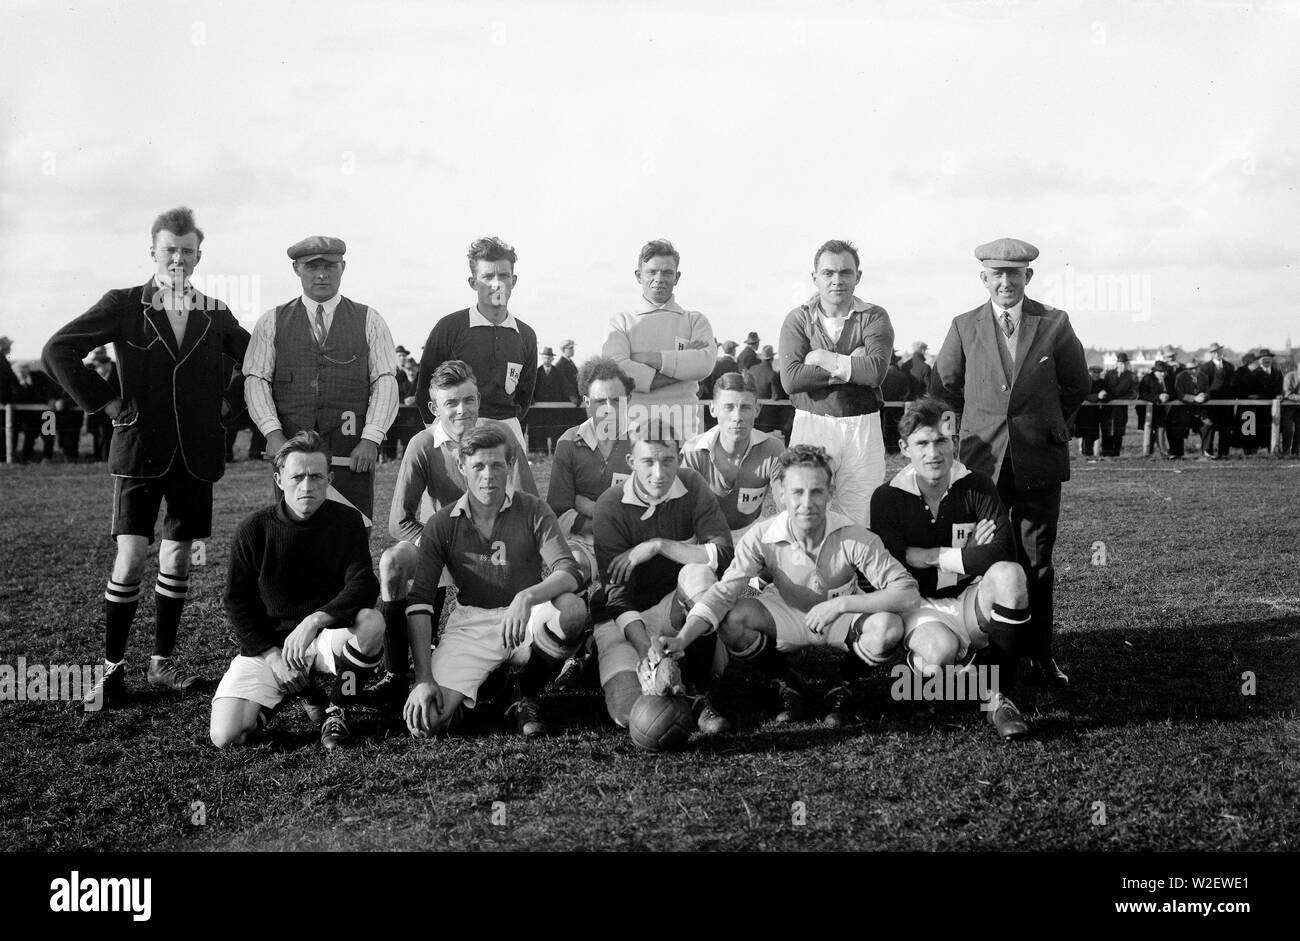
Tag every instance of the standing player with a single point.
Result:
(323, 362)
(174, 349)
(498, 544)
(738, 462)
(589, 459)
(947, 524)
(835, 352)
(500, 349)
(664, 347)
(661, 539)
(300, 580)
(429, 479)
(813, 557)
(1014, 372)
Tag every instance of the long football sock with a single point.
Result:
(1006, 630)
(763, 656)
(697, 663)
(170, 592)
(354, 671)
(546, 654)
(396, 643)
(120, 601)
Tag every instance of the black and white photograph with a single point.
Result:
(678, 427)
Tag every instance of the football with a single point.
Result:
(661, 723)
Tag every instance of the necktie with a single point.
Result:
(320, 324)
(1007, 326)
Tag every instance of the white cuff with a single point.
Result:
(843, 367)
(711, 550)
(626, 618)
(950, 561)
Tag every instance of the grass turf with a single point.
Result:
(1201, 584)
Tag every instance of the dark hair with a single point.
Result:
(488, 436)
(654, 248)
(602, 368)
(805, 455)
(304, 442)
(735, 382)
(451, 373)
(728, 346)
(838, 247)
(490, 248)
(655, 434)
(925, 412)
(178, 221)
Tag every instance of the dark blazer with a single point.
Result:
(569, 380)
(1216, 383)
(1028, 417)
(172, 397)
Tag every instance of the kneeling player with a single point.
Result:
(812, 557)
(660, 540)
(497, 542)
(946, 523)
(300, 577)
(428, 480)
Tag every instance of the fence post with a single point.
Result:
(9, 434)
(1275, 445)
(1146, 432)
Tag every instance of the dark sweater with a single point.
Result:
(619, 526)
(282, 570)
(504, 363)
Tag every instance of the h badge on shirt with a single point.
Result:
(513, 371)
(750, 499)
(618, 480)
(681, 343)
(960, 533)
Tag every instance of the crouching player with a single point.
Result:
(300, 577)
(428, 480)
(589, 459)
(497, 543)
(661, 539)
(946, 523)
(812, 557)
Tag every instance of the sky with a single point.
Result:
(1150, 150)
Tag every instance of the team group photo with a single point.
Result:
(930, 488)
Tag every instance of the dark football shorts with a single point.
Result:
(136, 501)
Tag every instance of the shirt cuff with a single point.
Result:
(268, 425)
(372, 433)
(626, 618)
(950, 561)
(705, 613)
(712, 550)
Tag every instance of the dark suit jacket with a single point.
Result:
(1216, 383)
(171, 398)
(1028, 418)
(569, 380)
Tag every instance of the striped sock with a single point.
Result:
(120, 601)
(355, 669)
(169, 594)
(859, 660)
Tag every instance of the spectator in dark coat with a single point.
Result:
(917, 371)
(568, 374)
(725, 363)
(748, 355)
(1120, 384)
(547, 387)
(766, 379)
(895, 387)
(1214, 380)
(1087, 421)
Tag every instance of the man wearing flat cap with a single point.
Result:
(325, 363)
(1215, 379)
(1015, 373)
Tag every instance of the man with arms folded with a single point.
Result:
(946, 523)
(428, 480)
(498, 543)
(738, 462)
(835, 352)
(660, 539)
(664, 347)
(813, 557)
(300, 580)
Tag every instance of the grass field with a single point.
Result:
(1201, 585)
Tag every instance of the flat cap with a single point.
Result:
(318, 246)
(1006, 253)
